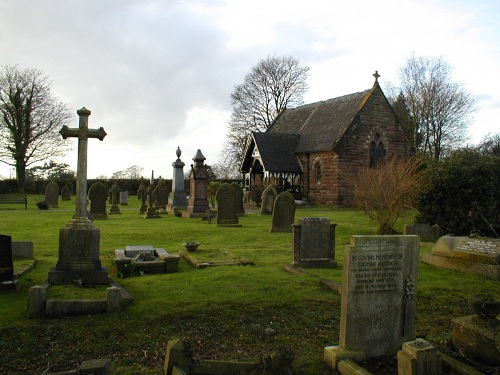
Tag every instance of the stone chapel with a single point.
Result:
(312, 149)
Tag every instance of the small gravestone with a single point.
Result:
(123, 198)
(426, 232)
(268, 197)
(115, 195)
(98, 195)
(65, 193)
(7, 281)
(227, 206)
(378, 297)
(52, 194)
(161, 195)
(239, 198)
(314, 243)
(283, 212)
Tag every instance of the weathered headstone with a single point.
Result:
(378, 298)
(7, 281)
(239, 199)
(161, 195)
(115, 198)
(227, 206)
(198, 184)
(143, 194)
(151, 212)
(79, 241)
(283, 213)
(268, 197)
(426, 232)
(472, 255)
(123, 198)
(98, 196)
(179, 197)
(314, 243)
(52, 194)
(65, 193)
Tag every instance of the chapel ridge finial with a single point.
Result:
(376, 75)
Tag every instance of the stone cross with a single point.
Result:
(376, 75)
(83, 133)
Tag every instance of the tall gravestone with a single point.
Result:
(268, 197)
(79, 240)
(227, 206)
(52, 194)
(179, 197)
(151, 212)
(314, 243)
(283, 212)
(115, 199)
(378, 297)
(161, 195)
(98, 196)
(198, 185)
(239, 198)
(7, 281)
(143, 194)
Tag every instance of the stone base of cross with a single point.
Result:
(79, 240)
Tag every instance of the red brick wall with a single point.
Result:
(335, 188)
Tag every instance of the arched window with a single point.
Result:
(317, 172)
(376, 152)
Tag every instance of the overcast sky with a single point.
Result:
(158, 74)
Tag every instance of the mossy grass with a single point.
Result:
(223, 312)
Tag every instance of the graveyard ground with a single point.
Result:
(223, 312)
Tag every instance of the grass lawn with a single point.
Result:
(223, 312)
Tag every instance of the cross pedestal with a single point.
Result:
(79, 240)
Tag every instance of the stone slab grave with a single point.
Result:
(137, 260)
(426, 232)
(472, 255)
(7, 281)
(379, 283)
(212, 257)
(314, 243)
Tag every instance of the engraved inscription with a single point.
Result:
(376, 273)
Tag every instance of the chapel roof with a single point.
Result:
(320, 125)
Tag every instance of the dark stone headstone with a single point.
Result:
(314, 243)
(65, 193)
(7, 281)
(198, 185)
(161, 195)
(98, 195)
(115, 199)
(239, 198)
(283, 212)
(52, 194)
(268, 197)
(227, 198)
(426, 232)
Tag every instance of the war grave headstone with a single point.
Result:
(472, 255)
(179, 198)
(283, 213)
(426, 232)
(151, 212)
(268, 197)
(227, 206)
(115, 199)
(314, 243)
(79, 240)
(52, 194)
(7, 281)
(123, 198)
(98, 196)
(239, 198)
(198, 185)
(378, 298)
(161, 195)
(65, 193)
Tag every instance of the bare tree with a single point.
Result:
(30, 120)
(434, 111)
(274, 84)
(133, 172)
